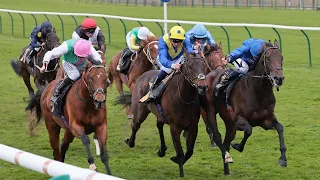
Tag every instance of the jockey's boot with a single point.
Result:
(154, 82)
(57, 92)
(227, 77)
(124, 55)
(29, 57)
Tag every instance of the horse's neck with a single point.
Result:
(81, 91)
(143, 61)
(182, 86)
(255, 83)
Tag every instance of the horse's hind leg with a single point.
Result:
(67, 139)
(54, 132)
(283, 158)
(120, 90)
(26, 78)
(191, 139)
(179, 158)
(141, 112)
(163, 147)
(101, 134)
(242, 124)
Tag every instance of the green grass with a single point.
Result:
(297, 101)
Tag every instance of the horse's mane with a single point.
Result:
(152, 38)
(211, 48)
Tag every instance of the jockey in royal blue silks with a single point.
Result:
(244, 58)
(199, 36)
(171, 49)
(37, 37)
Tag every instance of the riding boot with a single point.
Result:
(125, 54)
(29, 57)
(227, 77)
(154, 82)
(57, 92)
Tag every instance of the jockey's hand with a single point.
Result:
(176, 66)
(140, 48)
(43, 68)
(225, 60)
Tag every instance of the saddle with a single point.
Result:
(224, 92)
(125, 59)
(156, 91)
(57, 110)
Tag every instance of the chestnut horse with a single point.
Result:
(40, 79)
(180, 107)
(84, 111)
(144, 61)
(252, 101)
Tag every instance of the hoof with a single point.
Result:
(93, 167)
(127, 141)
(282, 163)
(162, 152)
(237, 147)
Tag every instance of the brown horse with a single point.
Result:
(84, 111)
(180, 107)
(144, 61)
(252, 100)
(40, 79)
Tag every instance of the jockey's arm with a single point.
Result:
(75, 35)
(151, 34)
(34, 38)
(238, 52)
(95, 57)
(210, 38)
(101, 42)
(133, 45)
(163, 54)
(188, 46)
(55, 53)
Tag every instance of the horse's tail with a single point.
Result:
(124, 100)
(34, 102)
(15, 64)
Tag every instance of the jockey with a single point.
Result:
(133, 40)
(171, 49)
(244, 58)
(37, 37)
(90, 31)
(74, 53)
(199, 36)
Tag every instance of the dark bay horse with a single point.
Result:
(144, 61)
(180, 105)
(252, 100)
(84, 111)
(41, 79)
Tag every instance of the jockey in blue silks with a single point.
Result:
(37, 37)
(244, 58)
(199, 36)
(171, 49)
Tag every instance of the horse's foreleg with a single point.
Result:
(191, 139)
(179, 158)
(86, 142)
(242, 124)
(208, 127)
(26, 78)
(96, 142)
(283, 159)
(67, 139)
(101, 135)
(54, 132)
(163, 147)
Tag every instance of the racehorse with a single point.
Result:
(251, 102)
(41, 79)
(84, 111)
(144, 60)
(180, 107)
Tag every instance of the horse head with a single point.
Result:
(150, 49)
(193, 70)
(95, 79)
(51, 42)
(213, 56)
(270, 64)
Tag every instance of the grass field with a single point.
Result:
(297, 107)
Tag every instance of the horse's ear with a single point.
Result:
(54, 30)
(276, 43)
(269, 41)
(220, 46)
